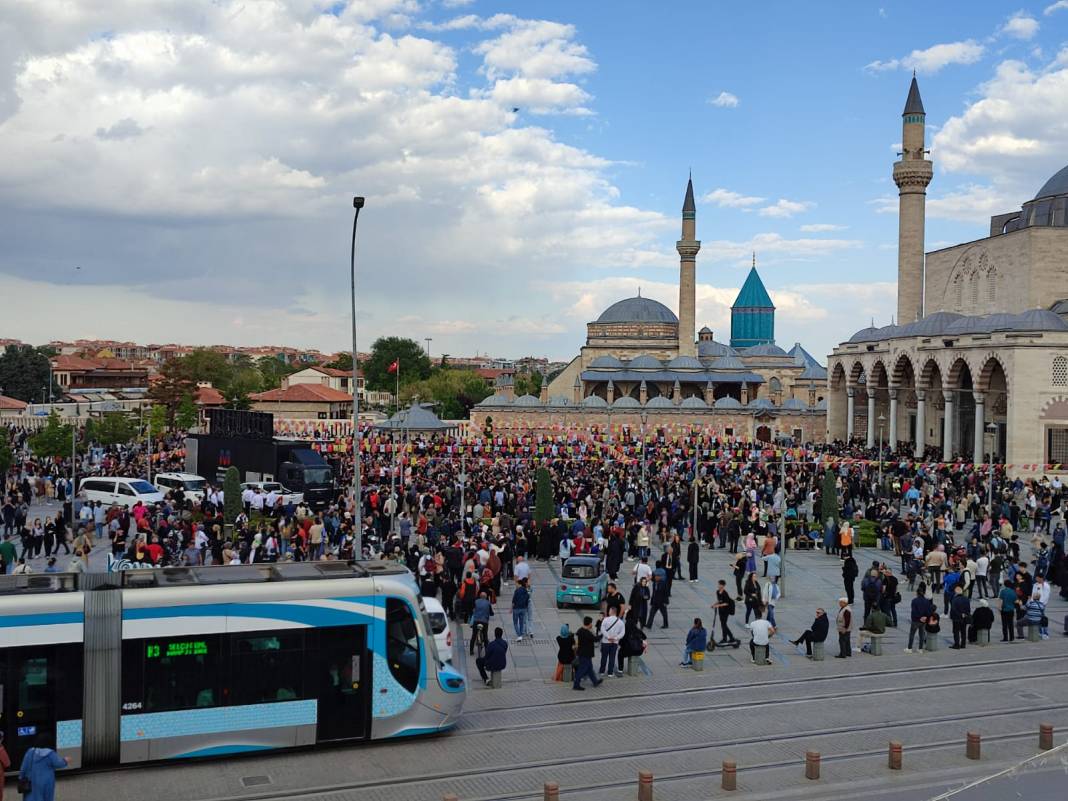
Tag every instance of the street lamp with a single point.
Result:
(428, 341)
(882, 419)
(645, 417)
(357, 204)
(992, 430)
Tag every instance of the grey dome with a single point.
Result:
(693, 402)
(495, 400)
(1039, 320)
(767, 349)
(711, 348)
(685, 363)
(659, 402)
(559, 400)
(626, 402)
(594, 401)
(644, 362)
(795, 405)
(869, 334)
(761, 403)
(728, 363)
(638, 310)
(609, 362)
(727, 402)
(527, 400)
(1056, 185)
(931, 325)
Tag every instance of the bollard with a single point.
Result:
(817, 652)
(895, 755)
(812, 764)
(495, 679)
(698, 661)
(569, 674)
(729, 775)
(552, 791)
(972, 749)
(1045, 737)
(645, 785)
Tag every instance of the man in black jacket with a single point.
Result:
(817, 632)
(724, 605)
(693, 556)
(659, 601)
(960, 612)
(587, 643)
(495, 660)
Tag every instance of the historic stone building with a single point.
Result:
(643, 366)
(978, 362)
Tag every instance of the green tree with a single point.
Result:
(187, 414)
(543, 496)
(175, 383)
(527, 384)
(24, 373)
(157, 419)
(231, 494)
(454, 392)
(414, 364)
(208, 365)
(243, 383)
(53, 440)
(112, 428)
(7, 457)
(273, 370)
(342, 362)
(829, 499)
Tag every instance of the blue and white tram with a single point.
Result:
(149, 665)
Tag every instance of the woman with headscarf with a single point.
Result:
(565, 651)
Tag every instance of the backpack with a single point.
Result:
(731, 606)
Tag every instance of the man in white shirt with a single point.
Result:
(271, 501)
(761, 631)
(522, 569)
(246, 498)
(642, 571)
(257, 501)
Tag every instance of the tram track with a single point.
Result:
(394, 782)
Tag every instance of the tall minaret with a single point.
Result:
(911, 174)
(687, 248)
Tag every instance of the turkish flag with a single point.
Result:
(394, 367)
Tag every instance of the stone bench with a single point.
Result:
(760, 654)
(495, 679)
(698, 660)
(817, 652)
(804, 544)
(982, 637)
(1032, 632)
(634, 665)
(569, 674)
(876, 647)
(932, 643)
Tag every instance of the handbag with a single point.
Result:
(25, 786)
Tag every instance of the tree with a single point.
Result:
(527, 384)
(174, 385)
(24, 373)
(53, 440)
(829, 501)
(203, 365)
(7, 458)
(243, 383)
(342, 362)
(543, 496)
(231, 494)
(414, 364)
(157, 420)
(187, 414)
(273, 370)
(454, 392)
(112, 428)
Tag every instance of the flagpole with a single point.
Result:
(393, 472)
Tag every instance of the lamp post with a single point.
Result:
(357, 535)
(428, 341)
(645, 417)
(463, 488)
(882, 420)
(992, 430)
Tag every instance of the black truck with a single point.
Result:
(245, 440)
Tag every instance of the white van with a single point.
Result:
(119, 490)
(193, 486)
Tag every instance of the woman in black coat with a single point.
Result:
(693, 556)
(633, 642)
(849, 575)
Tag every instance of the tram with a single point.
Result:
(158, 664)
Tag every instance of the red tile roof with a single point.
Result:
(11, 403)
(209, 396)
(304, 393)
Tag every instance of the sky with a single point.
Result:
(183, 170)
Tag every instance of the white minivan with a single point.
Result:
(192, 485)
(119, 490)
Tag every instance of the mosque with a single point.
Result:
(642, 366)
(977, 364)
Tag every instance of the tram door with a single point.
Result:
(31, 692)
(344, 683)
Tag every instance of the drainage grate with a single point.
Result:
(533, 641)
(255, 781)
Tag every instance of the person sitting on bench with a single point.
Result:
(817, 632)
(874, 624)
(495, 660)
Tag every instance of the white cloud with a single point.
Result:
(934, 58)
(536, 49)
(774, 247)
(1058, 6)
(456, 3)
(725, 198)
(539, 95)
(818, 228)
(1020, 25)
(784, 208)
(724, 100)
(972, 203)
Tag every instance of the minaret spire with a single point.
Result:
(688, 246)
(912, 174)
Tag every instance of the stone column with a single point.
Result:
(921, 422)
(850, 412)
(871, 418)
(980, 426)
(947, 427)
(892, 441)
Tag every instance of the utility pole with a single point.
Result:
(357, 534)
(463, 487)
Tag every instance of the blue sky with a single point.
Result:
(181, 171)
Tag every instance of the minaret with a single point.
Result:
(911, 174)
(687, 248)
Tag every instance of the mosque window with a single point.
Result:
(1057, 445)
(1060, 371)
(974, 288)
(958, 293)
(992, 286)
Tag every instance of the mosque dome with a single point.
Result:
(693, 402)
(527, 400)
(644, 362)
(686, 363)
(659, 402)
(638, 310)
(764, 349)
(711, 349)
(1056, 185)
(606, 362)
(727, 402)
(626, 402)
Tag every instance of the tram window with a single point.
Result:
(68, 681)
(402, 644)
(176, 673)
(34, 694)
(266, 666)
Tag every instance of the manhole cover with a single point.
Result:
(255, 781)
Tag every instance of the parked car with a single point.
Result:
(583, 582)
(288, 496)
(439, 624)
(119, 490)
(193, 486)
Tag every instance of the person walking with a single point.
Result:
(639, 600)
(587, 642)
(1007, 596)
(725, 607)
(39, 767)
(693, 557)
(919, 610)
(483, 611)
(612, 630)
(752, 594)
(844, 625)
(960, 613)
(521, 610)
(5, 764)
(658, 601)
(696, 641)
(816, 632)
